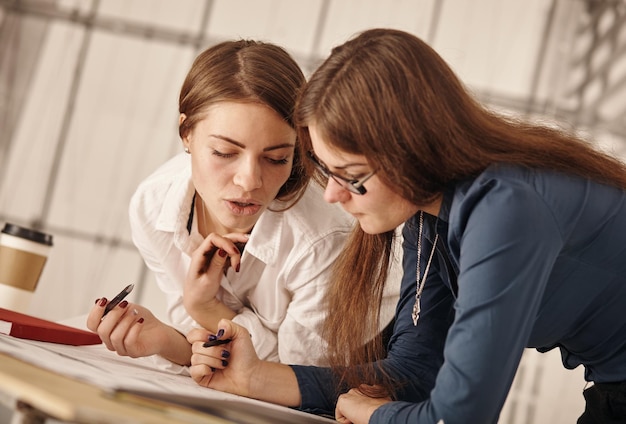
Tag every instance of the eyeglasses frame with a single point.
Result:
(353, 186)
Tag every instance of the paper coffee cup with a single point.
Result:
(23, 254)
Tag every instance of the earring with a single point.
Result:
(187, 150)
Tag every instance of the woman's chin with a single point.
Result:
(368, 227)
(376, 227)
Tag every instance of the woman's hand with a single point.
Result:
(356, 408)
(132, 330)
(208, 263)
(227, 367)
(234, 367)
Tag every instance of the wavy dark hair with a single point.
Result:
(388, 96)
(249, 71)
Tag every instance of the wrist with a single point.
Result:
(175, 347)
(210, 313)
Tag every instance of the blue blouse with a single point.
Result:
(525, 258)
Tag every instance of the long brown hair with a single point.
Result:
(390, 97)
(251, 71)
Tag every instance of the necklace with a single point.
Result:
(420, 282)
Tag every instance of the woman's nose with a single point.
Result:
(248, 176)
(334, 192)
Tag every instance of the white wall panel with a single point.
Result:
(492, 45)
(22, 189)
(289, 23)
(348, 17)
(124, 124)
(75, 5)
(178, 14)
(544, 392)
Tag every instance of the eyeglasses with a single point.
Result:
(353, 186)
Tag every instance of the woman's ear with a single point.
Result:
(184, 137)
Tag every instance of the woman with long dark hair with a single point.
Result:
(514, 237)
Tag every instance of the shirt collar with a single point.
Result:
(175, 212)
(265, 238)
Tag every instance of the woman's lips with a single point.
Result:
(242, 207)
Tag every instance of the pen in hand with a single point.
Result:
(117, 299)
(212, 343)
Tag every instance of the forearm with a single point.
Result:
(175, 347)
(276, 383)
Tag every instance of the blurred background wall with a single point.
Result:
(88, 108)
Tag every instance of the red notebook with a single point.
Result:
(29, 327)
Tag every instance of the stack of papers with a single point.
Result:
(128, 378)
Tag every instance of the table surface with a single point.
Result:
(66, 399)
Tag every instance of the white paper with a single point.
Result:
(5, 327)
(105, 369)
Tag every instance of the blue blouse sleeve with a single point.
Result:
(507, 242)
(318, 389)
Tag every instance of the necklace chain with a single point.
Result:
(420, 282)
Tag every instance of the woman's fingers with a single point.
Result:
(113, 329)
(124, 335)
(205, 361)
(95, 315)
(213, 357)
(201, 374)
(228, 249)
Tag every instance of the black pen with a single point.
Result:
(117, 299)
(212, 343)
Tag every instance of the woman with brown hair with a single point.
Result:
(514, 237)
(240, 181)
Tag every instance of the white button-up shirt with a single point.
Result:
(284, 270)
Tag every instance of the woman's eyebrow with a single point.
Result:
(228, 140)
(349, 165)
(243, 146)
(342, 167)
(279, 146)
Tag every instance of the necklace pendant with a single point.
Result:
(416, 312)
(420, 280)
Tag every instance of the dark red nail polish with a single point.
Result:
(140, 320)
(238, 267)
(97, 300)
(222, 253)
(103, 302)
(123, 303)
